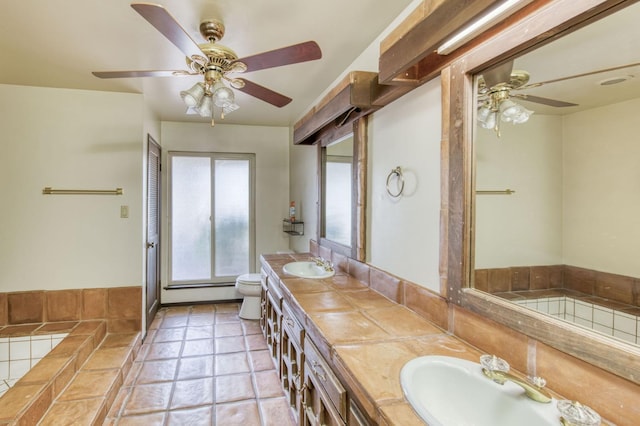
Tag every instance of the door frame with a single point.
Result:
(153, 247)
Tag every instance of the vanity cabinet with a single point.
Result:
(271, 321)
(313, 391)
(292, 364)
(325, 399)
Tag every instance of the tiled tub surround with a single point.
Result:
(607, 286)
(76, 382)
(121, 307)
(79, 378)
(611, 322)
(19, 354)
(367, 336)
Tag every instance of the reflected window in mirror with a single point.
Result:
(338, 190)
(557, 201)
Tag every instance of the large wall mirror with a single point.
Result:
(554, 185)
(341, 190)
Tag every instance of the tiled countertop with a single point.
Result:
(365, 337)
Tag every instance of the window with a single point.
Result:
(211, 224)
(338, 199)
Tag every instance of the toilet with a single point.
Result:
(250, 286)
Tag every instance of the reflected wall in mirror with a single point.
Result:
(566, 242)
(338, 190)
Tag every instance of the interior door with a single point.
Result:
(153, 230)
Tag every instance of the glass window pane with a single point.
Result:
(338, 201)
(231, 214)
(191, 218)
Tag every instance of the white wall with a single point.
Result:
(602, 189)
(271, 146)
(404, 232)
(69, 139)
(524, 228)
(576, 179)
(304, 191)
(303, 159)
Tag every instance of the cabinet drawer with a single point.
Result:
(325, 377)
(291, 323)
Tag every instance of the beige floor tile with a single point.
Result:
(148, 398)
(199, 332)
(251, 327)
(153, 419)
(276, 411)
(192, 393)
(228, 307)
(267, 384)
(234, 388)
(164, 350)
(200, 416)
(230, 344)
(201, 319)
(231, 364)
(198, 347)
(157, 371)
(195, 367)
(173, 321)
(226, 317)
(169, 334)
(256, 342)
(242, 413)
(261, 360)
(228, 329)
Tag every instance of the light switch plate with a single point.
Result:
(124, 212)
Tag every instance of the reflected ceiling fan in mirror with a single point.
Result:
(216, 63)
(496, 88)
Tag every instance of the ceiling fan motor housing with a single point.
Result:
(212, 30)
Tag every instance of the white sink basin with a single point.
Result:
(448, 391)
(307, 270)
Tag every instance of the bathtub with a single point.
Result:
(19, 354)
(71, 343)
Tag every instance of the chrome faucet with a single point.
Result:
(498, 370)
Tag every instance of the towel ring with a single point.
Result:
(397, 172)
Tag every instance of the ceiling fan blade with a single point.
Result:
(162, 20)
(302, 52)
(147, 73)
(264, 94)
(499, 74)
(543, 101)
(581, 75)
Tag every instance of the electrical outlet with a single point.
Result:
(124, 212)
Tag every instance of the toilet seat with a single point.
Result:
(250, 279)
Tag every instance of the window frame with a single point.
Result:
(212, 156)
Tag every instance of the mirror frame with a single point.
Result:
(520, 34)
(358, 188)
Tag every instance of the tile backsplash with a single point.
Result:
(19, 354)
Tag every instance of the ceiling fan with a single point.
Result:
(215, 63)
(496, 88)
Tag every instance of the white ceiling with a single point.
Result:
(58, 43)
(607, 43)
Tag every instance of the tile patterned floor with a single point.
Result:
(202, 365)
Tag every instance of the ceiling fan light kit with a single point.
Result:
(214, 62)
